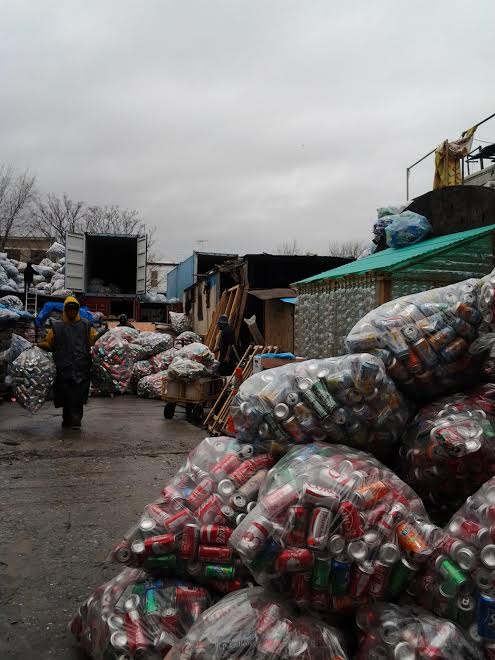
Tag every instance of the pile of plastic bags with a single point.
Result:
(112, 363)
(186, 531)
(347, 399)
(334, 528)
(427, 340)
(33, 375)
(151, 387)
(153, 343)
(448, 450)
(136, 617)
(253, 623)
(406, 229)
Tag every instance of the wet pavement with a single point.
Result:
(66, 497)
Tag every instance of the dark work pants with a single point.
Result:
(74, 396)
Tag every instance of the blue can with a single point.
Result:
(486, 616)
(340, 577)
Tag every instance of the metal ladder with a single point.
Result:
(31, 302)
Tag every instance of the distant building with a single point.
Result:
(27, 248)
(156, 275)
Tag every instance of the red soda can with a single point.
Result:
(186, 595)
(300, 586)
(320, 600)
(227, 464)
(244, 472)
(214, 553)
(179, 520)
(225, 586)
(272, 644)
(319, 528)
(297, 524)
(360, 581)
(374, 515)
(254, 537)
(202, 491)
(379, 580)
(351, 521)
(490, 512)
(188, 542)
(170, 621)
(210, 510)
(159, 545)
(214, 534)
(279, 499)
(293, 560)
(136, 634)
(267, 617)
(319, 495)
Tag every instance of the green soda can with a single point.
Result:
(311, 399)
(163, 561)
(217, 572)
(399, 577)
(139, 588)
(151, 602)
(319, 388)
(450, 571)
(320, 578)
(278, 433)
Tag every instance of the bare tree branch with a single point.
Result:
(351, 248)
(16, 194)
(289, 248)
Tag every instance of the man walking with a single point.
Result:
(70, 340)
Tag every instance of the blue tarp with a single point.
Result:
(291, 301)
(11, 314)
(282, 356)
(48, 307)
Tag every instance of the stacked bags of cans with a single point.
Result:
(151, 387)
(112, 363)
(448, 450)
(458, 581)
(334, 528)
(390, 632)
(137, 617)
(191, 362)
(253, 623)
(186, 531)
(427, 340)
(153, 343)
(33, 375)
(162, 361)
(348, 399)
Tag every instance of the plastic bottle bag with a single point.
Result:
(448, 450)
(33, 375)
(253, 623)
(112, 363)
(457, 581)
(389, 632)
(427, 340)
(346, 399)
(137, 617)
(333, 529)
(406, 229)
(186, 531)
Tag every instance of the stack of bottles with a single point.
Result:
(253, 623)
(334, 528)
(448, 450)
(136, 617)
(187, 530)
(347, 400)
(426, 340)
(33, 375)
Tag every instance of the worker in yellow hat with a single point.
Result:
(70, 340)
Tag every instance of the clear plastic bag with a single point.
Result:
(186, 531)
(112, 363)
(406, 229)
(56, 250)
(140, 369)
(333, 529)
(11, 301)
(188, 337)
(186, 371)
(424, 339)
(126, 333)
(153, 343)
(162, 361)
(137, 617)
(151, 387)
(180, 322)
(253, 623)
(346, 399)
(390, 632)
(448, 450)
(33, 375)
(458, 580)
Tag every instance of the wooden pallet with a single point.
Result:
(232, 304)
(216, 421)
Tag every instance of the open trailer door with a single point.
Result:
(141, 265)
(75, 255)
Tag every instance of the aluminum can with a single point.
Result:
(297, 525)
(214, 534)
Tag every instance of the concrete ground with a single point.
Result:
(66, 497)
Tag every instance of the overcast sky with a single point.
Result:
(243, 123)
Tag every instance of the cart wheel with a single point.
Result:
(198, 414)
(190, 412)
(169, 410)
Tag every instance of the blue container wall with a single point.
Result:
(180, 278)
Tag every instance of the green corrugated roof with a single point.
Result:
(394, 258)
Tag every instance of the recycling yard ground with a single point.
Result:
(65, 498)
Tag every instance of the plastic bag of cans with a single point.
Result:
(140, 369)
(199, 353)
(126, 333)
(186, 531)
(151, 387)
(33, 375)
(424, 339)
(448, 450)
(253, 623)
(390, 632)
(137, 617)
(162, 361)
(458, 581)
(180, 322)
(153, 343)
(334, 529)
(347, 399)
(112, 363)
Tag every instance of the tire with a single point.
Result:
(169, 410)
(198, 414)
(190, 412)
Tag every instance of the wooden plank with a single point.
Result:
(279, 324)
